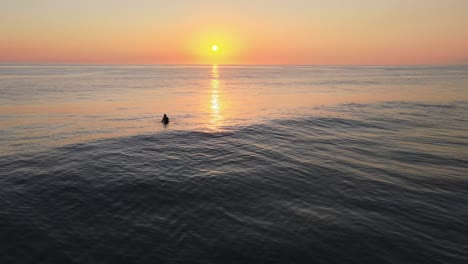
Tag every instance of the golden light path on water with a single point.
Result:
(215, 107)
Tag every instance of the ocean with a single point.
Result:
(259, 164)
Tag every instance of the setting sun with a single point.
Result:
(214, 48)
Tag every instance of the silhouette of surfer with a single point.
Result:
(165, 120)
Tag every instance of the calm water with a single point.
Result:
(258, 165)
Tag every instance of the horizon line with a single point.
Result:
(219, 64)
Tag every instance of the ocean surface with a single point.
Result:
(259, 164)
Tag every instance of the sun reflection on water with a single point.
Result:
(215, 106)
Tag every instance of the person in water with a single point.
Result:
(165, 119)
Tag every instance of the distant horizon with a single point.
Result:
(228, 64)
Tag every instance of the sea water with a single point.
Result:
(259, 164)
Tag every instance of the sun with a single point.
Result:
(214, 48)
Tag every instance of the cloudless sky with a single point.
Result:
(246, 31)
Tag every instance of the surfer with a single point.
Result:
(165, 119)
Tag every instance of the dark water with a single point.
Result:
(373, 183)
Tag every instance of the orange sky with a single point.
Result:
(247, 32)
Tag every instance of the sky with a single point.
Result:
(313, 32)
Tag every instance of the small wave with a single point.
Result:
(269, 191)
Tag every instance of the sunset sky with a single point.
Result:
(319, 32)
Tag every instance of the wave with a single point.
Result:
(370, 189)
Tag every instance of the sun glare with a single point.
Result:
(214, 48)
